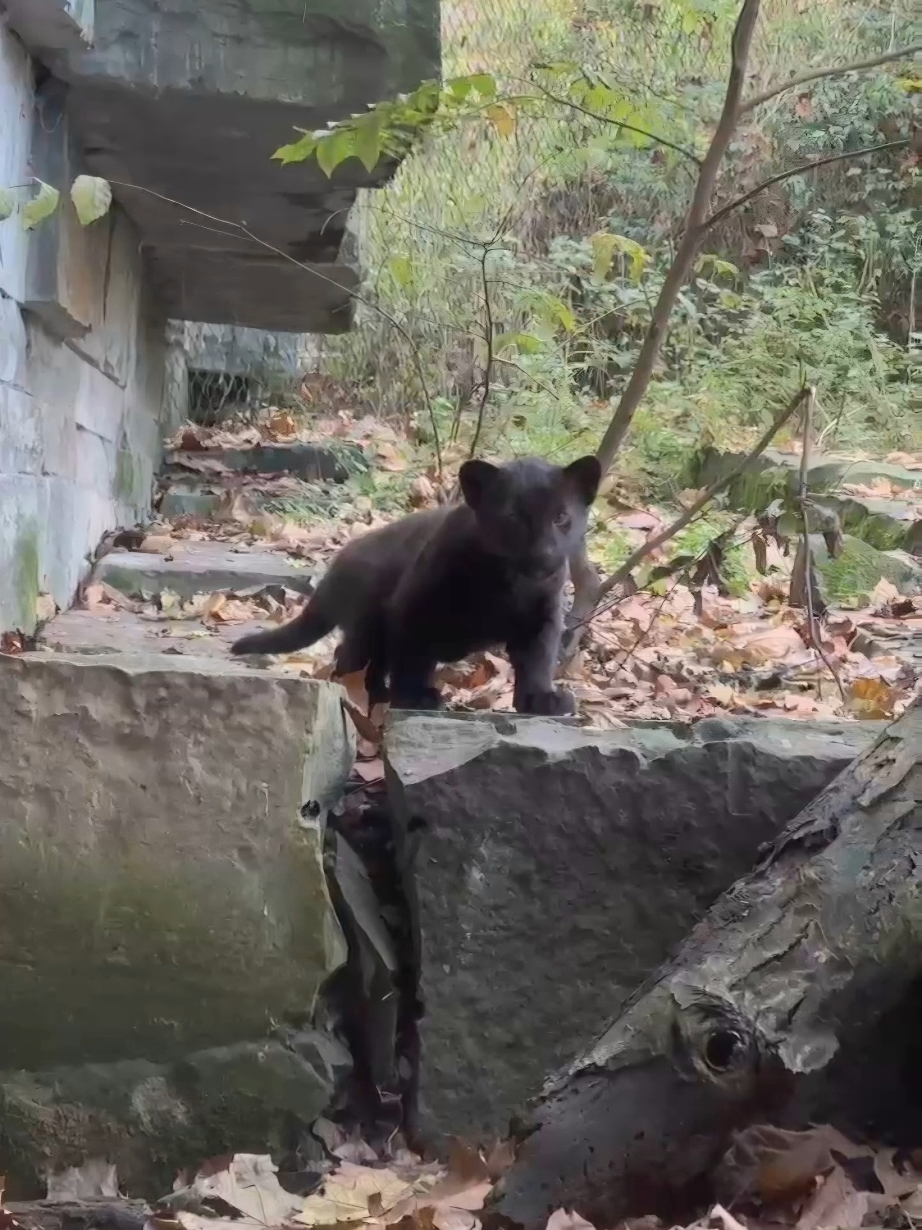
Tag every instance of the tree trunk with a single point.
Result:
(796, 996)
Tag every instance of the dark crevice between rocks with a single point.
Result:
(372, 1001)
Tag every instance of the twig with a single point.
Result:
(606, 119)
(693, 509)
(834, 71)
(813, 637)
(721, 213)
(645, 632)
(240, 228)
(488, 338)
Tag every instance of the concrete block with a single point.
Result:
(163, 827)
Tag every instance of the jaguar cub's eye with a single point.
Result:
(562, 520)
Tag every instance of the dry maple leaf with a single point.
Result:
(354, 1193)
(871, 698)
(836, 1205)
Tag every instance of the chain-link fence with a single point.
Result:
(423, 239)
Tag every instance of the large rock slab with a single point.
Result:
(161, 857)
(886, 524)
(552, 868)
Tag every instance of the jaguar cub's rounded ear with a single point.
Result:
(480, 483)
(584, 475)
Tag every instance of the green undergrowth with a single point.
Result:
(521, 254)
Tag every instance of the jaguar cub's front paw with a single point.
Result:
(558, 702)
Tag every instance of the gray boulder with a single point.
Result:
(552, 868)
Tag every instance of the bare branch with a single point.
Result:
(606, 119)
(684, 259)
(836, 70)
(703, 499)
(721, 213)
(488, 338)
(814, 636)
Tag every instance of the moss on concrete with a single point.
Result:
(26, 576)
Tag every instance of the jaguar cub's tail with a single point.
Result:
(306, 628)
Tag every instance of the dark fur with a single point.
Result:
(442, 584)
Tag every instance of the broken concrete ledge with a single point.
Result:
(164, 895)
(550, 869)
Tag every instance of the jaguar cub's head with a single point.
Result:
(530, 511)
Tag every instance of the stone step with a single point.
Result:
(198, 568)
(113, 631)
(311, 462)
(165, 907)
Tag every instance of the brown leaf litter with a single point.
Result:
(769, 1179)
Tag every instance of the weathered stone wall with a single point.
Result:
(81, 363)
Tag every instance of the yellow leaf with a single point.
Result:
(92, 197)
(871, 698)
(502, 119)
(42, 205)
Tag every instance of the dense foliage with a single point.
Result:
(520, 247)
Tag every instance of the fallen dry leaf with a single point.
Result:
(362, 722)
(354, 1193)
(281, 425)
(777, 1166)
(563, 1219)
(835, 1205)
(157, 544)
(248, 1183)
(871, 698)
(369, 770)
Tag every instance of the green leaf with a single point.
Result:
(502, 119)
(92, 198)
(42, 206)
(604, 246)
(335, 148)
(525, 343)
(554, 311)
(401, 269)
(7, 203)
(720, 268)
(483, 83)
(367, 144)
(298, 151)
